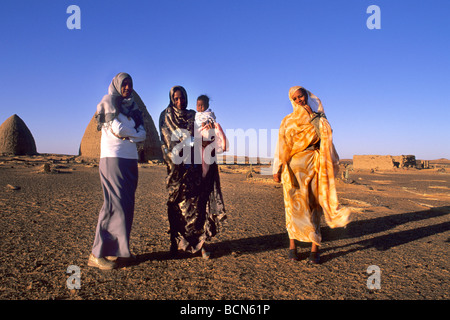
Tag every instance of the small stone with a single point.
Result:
(46, 167)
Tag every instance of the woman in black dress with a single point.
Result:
(195, 204)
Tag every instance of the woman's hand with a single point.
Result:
(205, 143)
(207, 126)
(277, 177)
(119, 137)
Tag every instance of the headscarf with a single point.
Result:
(173, 119)
(113, 103)
(313, 102)
(318, 120)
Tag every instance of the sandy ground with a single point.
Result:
(48, 220)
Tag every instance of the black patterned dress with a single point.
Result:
(195, 205)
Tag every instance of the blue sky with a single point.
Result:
(385, 91)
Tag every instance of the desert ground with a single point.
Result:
(49, 207)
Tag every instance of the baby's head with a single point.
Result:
(202, 103)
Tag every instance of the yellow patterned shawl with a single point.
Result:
(308, 173)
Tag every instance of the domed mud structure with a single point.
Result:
(16, 138)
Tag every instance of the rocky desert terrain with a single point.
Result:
(49, 207)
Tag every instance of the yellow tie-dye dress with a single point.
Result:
(308, 165)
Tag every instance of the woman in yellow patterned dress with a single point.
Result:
(306, 163)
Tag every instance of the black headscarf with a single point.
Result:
(172, 119)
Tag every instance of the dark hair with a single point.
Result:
(305, 93)
(204, 98)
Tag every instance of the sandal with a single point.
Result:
(293, 254)
(127, 261)
(205, 254)
(314, 258)
(173, 251)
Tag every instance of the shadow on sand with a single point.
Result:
(361, 228)
(355, 229)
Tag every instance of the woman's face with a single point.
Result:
(201, 106)
(299, 98)
(179, 100)
(127, 88)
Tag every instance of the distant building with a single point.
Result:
(16, 138)
(377, 162)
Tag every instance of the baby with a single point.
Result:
(203, 117)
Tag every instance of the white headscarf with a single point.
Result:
(113, 103)
(313, 101)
